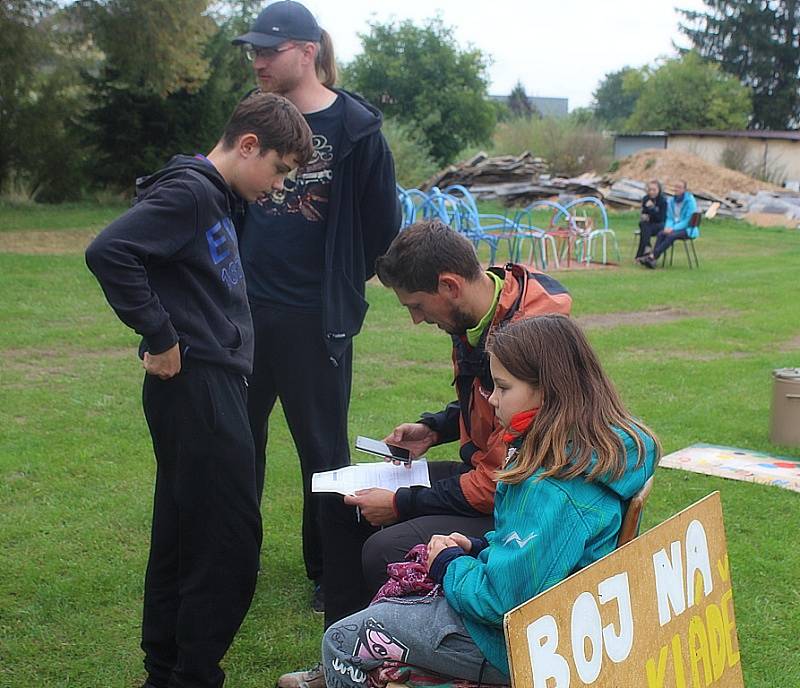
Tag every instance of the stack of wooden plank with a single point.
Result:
(482, 170)
(545, 186)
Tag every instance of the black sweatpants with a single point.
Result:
(206, 533)
(647, 230)
(356, 553)
(292, 363)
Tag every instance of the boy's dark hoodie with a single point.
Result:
(170, 266)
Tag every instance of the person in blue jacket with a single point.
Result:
(307, 252)
(575, 458)
(680, 209)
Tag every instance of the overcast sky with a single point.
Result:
(558, 48)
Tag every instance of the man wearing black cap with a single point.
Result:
(308, 250)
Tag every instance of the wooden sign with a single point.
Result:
(656, 613)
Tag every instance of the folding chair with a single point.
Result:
(636, 234)
(694, 221)
(633, 514)
(479, 227)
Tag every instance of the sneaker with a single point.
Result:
(311, 678)
(318, 600)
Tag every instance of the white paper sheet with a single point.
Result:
(380, 474)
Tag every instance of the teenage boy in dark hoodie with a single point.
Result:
(308, 250)
(171, 271)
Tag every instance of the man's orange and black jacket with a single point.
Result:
(470, 419)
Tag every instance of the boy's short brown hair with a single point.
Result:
(422, 252)
(277, 123)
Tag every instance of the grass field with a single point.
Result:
(76, 466)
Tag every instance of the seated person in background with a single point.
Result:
(654, 215)
(680, 209)
(436, 275)
(575, 458)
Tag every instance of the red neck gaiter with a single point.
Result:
(520, 423)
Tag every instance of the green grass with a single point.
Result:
(76, 466)
(39, 216)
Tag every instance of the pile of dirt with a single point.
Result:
(669, 166)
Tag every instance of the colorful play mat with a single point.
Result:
(736, 464)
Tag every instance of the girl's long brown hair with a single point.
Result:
(580, 406)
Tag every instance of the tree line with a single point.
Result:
(98, 92)
(742, 70)
(95, 93)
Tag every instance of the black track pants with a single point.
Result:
(206, 534)
(292, 363)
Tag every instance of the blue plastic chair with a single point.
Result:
(421, 206)
(483, 228)
(406, 206)
(447, 208)
(540, 237)
(587, 237)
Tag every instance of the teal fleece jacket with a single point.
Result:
(688, 209)
(545, 530)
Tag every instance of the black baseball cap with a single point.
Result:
(280, 22)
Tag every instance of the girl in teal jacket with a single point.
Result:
(575, 458)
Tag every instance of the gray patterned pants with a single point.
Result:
(428, 635)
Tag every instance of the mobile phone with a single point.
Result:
(387, 451)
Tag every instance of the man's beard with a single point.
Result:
(460, 322)
(280, 85)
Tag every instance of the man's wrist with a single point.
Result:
(430, 423)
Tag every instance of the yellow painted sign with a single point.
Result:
(656, 613)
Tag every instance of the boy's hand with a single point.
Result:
(462, 541)
(436, 545)
(164, 365)
(416, 437)
(376, 505)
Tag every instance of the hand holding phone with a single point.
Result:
(390, 452)
(416, 437)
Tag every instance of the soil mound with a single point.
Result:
(669, 166)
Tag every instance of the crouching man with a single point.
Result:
(436, 275)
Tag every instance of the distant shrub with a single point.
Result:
(734, 156)
(412, 158)
(571, 148)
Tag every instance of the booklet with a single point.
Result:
(361, 476)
